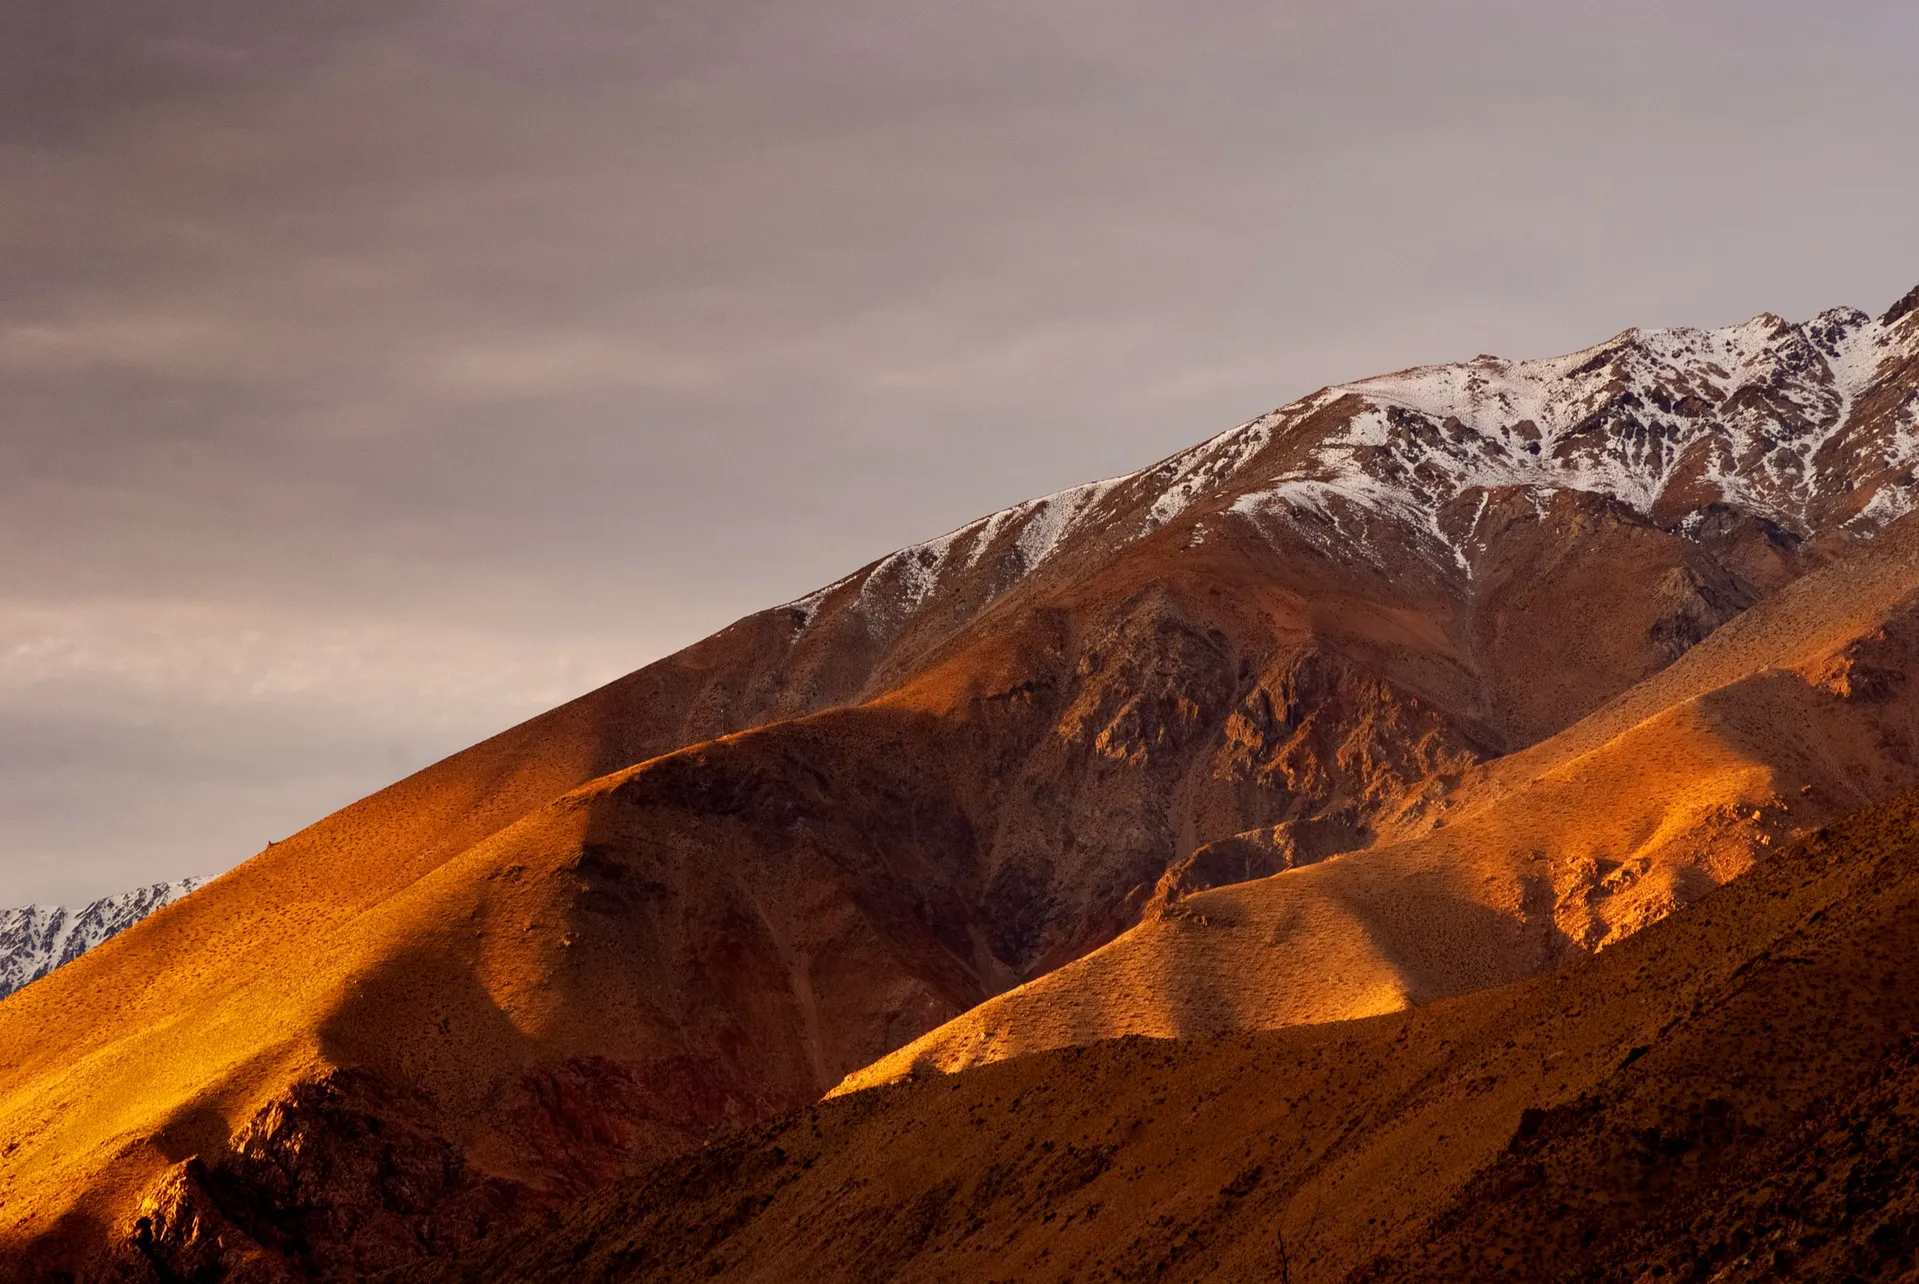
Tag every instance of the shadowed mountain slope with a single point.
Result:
(706, 893)
(1799, 710)
(1727, 1095)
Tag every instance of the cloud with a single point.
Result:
(342, 337)
(393, 674)
(150, 343)
(571, 363)
(139, 737)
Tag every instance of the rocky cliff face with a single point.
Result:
(35, 940)
(1798, 710)
(706, 893)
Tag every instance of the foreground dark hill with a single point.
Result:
(1730, 1094)
(705, 894)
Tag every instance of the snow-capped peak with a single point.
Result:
(1807, 426)
(35, 939)
(1769, 417)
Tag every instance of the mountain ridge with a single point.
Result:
(1521, 424)
(35, 939)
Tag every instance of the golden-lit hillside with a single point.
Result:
(1802, 709)
(1727, 1095)
(1378, 639)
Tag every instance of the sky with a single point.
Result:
(379, 373)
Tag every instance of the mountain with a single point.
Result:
(35, 940)
(1801, 709)
(708, 893)
(1728, 1095)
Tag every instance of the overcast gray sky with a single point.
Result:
(378, 373)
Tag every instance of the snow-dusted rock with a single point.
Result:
(1810, 427)
(36, 939)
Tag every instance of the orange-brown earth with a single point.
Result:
(1732, 1094)
(709, 892)
(1802, 709)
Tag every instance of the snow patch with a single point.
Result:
(899, 584)
(1744, 410)
(1206, 468)
(1764, 415)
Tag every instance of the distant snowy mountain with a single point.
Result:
(1808, 429)
(35, 940)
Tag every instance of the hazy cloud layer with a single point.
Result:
(376, 374)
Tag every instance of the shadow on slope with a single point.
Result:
(1800, 710)
(1727, 1094)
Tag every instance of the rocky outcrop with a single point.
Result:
(338, 1179)
(1794, 712)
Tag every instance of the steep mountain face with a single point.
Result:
(1755, 448)
(708, 892)
(1728, 1095)
(1796, 712)
(35, 940)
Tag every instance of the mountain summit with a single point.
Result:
(1811, 428)
(1418, 685)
